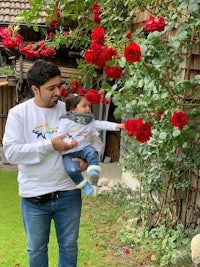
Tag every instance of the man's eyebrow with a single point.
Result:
(55, 85)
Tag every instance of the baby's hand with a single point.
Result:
(74, 143)
(119, 126)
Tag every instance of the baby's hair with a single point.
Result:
(72, 101)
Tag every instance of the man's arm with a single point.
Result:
(18, 151)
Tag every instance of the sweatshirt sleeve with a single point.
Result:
(15, 147)
(62, 127)
(105, 125)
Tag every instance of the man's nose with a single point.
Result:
(57, 90)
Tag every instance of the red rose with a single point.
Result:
(73, 87)
(4, 33)
(29, 51)
(94, 58)
(97, 46)
(8, 43)
(48, 52)
(41, 44)
(57, 13)
(113, 72)
(179, 119)
(127, 251)
(18, 39)
(63, 91)
(145, 133)
(53, 22)
(81, 90)
(133, 126)
(10, 37)
(105, 101)
(93, 97)
(51, 35)
(90, 56)
(129, 35)
(132, 52)
(99, 62)
(96, 19)
(98, 34)
(137, 128)
(96, 13)
(155, 25)
(65, 33)
(107, 54)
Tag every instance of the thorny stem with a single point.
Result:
(155, 204)
(164, 198)
(165, 192)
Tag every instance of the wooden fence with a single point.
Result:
(22, 67)
(7, 101)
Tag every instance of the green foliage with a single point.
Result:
(165, 246)
(6, 71)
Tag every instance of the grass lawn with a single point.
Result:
(102, 217)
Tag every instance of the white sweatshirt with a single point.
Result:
(84, 134)
(27, 142)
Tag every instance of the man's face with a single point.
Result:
(48, 94)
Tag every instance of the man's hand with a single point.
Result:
(60, 145)
(83, 164)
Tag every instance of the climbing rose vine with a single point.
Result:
(10, 37)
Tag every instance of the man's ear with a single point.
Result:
(34, 89)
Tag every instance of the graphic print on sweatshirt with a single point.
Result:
(76, 134)
(44, 131)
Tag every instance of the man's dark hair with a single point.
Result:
(41, 72)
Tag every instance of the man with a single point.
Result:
(46, 191)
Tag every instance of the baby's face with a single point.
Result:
(82, 107)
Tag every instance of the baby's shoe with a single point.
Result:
(88, 189)
(93, 174)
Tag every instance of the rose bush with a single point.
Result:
(147, 74)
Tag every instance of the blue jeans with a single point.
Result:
(88, 153)
(65, 211)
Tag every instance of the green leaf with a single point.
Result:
(129, 83)
(35, 27)
(144, 49)
(154, 38)
(188, 135)
(108, 95)
(193, 6)
(181, 34)
(176, 133)
(106, 85)
(162, 135)
(122, 62)
(153, 257)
